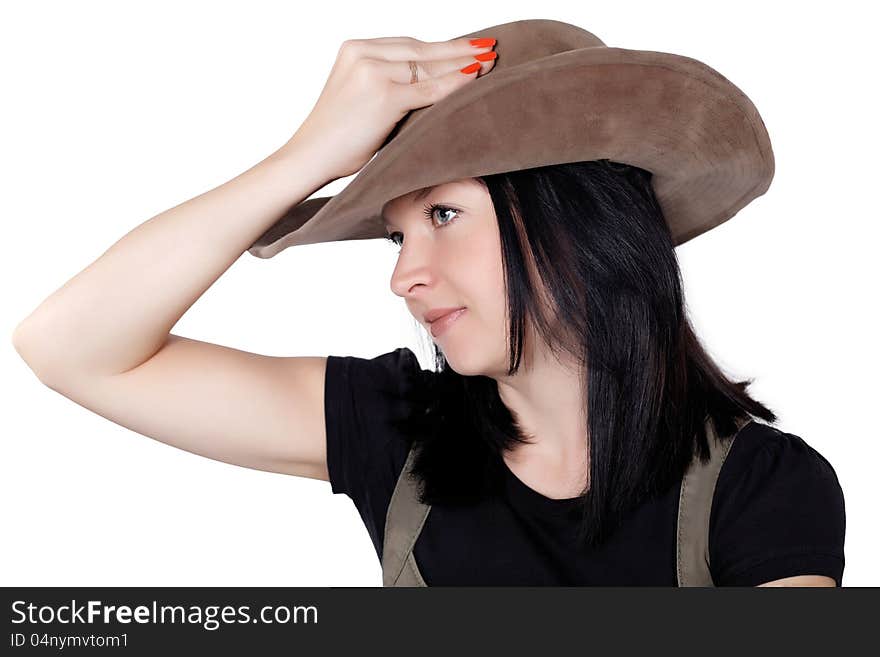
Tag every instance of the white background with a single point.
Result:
(114, 112)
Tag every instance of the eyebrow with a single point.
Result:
(424, 192)
(418, 197)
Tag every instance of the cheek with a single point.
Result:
(481, 277)
(476, 272)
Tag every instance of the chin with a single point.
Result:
(467, 358)
(462, 359)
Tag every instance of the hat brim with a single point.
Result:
(694, 130)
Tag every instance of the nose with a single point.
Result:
(414, 267)
(405, 283)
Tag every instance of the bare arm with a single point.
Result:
(103, 339)
(117, 312)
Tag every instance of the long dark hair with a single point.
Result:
(589, 259)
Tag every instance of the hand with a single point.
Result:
(369, 91)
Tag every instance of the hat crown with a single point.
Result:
(518, 43)
(557, 94)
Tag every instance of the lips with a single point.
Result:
(435, 314)
(442, 323)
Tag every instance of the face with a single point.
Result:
(452, 259)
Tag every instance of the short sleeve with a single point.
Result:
(778, 511)
(363, 398)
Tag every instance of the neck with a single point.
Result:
(547, 399)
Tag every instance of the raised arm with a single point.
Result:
(103, 339)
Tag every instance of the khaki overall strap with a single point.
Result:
(403, 523)
(695, 507)
(406, 516)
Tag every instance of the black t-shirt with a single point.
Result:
(778, 508)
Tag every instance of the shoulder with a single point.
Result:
(778, 508)
(364, 400)
(759, 444)
(765, 456)
(387, 368)
(383, 382)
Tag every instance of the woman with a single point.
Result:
(599, 371)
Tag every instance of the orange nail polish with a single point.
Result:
(471, 68)
(486, 56)
(482, 43)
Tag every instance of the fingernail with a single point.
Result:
(471, 68)
(482, 43)
(486, 56)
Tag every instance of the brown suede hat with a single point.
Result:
(557, 94)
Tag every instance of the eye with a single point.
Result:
(432, 207)
(429, 210)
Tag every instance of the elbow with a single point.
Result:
(26, 344)
(18, 340)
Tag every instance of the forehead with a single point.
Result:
(395, 204)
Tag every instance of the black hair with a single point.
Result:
(589, 260)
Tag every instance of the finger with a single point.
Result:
(401, 49)
(401, 73)
(427, 92)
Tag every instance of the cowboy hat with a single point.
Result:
(558, 94)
